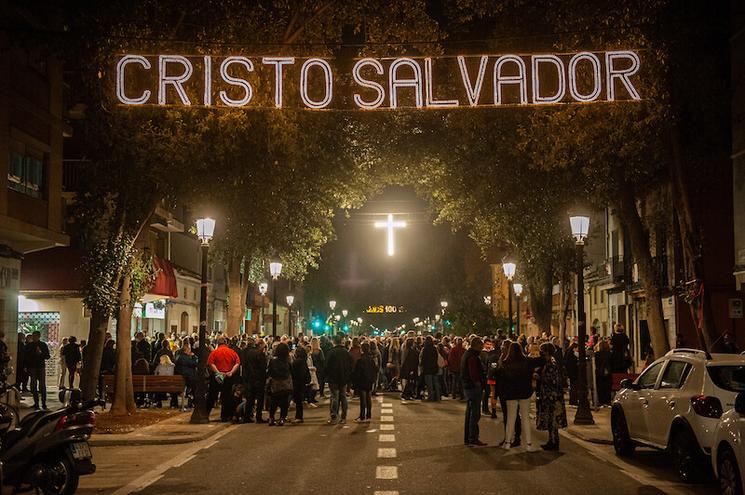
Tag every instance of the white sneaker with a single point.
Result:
(530, 448)
(506, 446)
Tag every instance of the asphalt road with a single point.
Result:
(416, 449)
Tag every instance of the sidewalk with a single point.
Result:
(175, 430)
(597, 433)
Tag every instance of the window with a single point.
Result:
(183, 292)
(602, 296)
(26, 172)
(731, 378)
(675, 374)
(649, 377)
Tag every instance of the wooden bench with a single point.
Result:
(617, 377)
(150, 384)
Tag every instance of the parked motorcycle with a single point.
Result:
(49, 450)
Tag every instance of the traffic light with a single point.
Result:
(317, 324)
(346, 328)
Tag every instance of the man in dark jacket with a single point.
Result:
(338, 375)
(73, 356)
(428, 364)
(254, 377)
(36, 353)
(471, 373)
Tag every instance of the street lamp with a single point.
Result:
(275, 269)
(580, 225)
(518, 288)
(509, 272)
(263, 288)
(290, 299)
(344, 313)
(205, 231)
(487, 300)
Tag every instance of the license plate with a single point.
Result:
(80, 451)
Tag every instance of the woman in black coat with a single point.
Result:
(517, 388)
(603, 372)
(363, 376)
(280, 385)
(300, 381)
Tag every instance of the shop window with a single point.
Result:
(26, 172)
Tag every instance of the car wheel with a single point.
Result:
(687, 457)
(729, 473)
(622, 442)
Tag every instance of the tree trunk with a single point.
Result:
(639, 241)
(540, 290)
(124, 402)
(699, 299)
(93, 352)
(236, 308)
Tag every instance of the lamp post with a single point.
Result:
(205, 231)
(263, 288)
(332, 306)
(275, 269)
(509, 272)
(518, 288)
(290, 300)
(444, 306)
(580, 226)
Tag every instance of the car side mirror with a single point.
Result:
(626, 383)
(740, 403)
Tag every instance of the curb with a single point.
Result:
(100, 440)
(588, 438)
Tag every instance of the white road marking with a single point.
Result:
(385, 453)
(386, 492)
(386, 411)
(386, 419)
(386, 404)
(386, 438)
(386, 472)
(387, 427)
(157, 472)
(371, 431)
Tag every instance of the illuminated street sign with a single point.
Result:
(385, 309)
(481, 80)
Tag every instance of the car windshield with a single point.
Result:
(730, 377)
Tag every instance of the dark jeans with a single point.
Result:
(255, 400)
(365, 404)
(456, 385)
(433, 388)
(338, 395)
(299, 397)
(71, 373)
(38, 385)
(225, 391)
(485, 394)
(518, 423)
(279, 400)
(473, 414)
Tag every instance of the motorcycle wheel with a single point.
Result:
(63, 479)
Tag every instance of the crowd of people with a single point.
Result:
(251, 375)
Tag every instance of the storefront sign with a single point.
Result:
(431, 82)
(156, 310)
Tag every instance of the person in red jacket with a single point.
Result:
(454, 357)
(223, 362)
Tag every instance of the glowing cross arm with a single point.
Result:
(390, 225)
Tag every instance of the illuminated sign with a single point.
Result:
(469, 81)
(382, 309)
(155, 309)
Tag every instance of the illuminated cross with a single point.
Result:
(390, 225)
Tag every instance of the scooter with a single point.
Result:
(49, 450)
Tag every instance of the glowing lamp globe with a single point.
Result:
(263, 287)
(518, 289)
(444, 304)
(509, 269)
(205, 229)
(580, 226)
(332, 304)
(275, 268)
(344, 313)
(290, 300)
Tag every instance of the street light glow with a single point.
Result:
(509, 269)
(275, 268)
(205, 229)
(580, 226)
(290, 300)
(263, 287)
(344, 313)
(332, 304)
(518, 289)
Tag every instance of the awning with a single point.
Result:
(165, 282)
(53, 270)
(60, 270)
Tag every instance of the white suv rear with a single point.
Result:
(676, 404)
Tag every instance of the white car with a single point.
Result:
(728, 454)
(675, 404)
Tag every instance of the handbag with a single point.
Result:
(283, 385)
